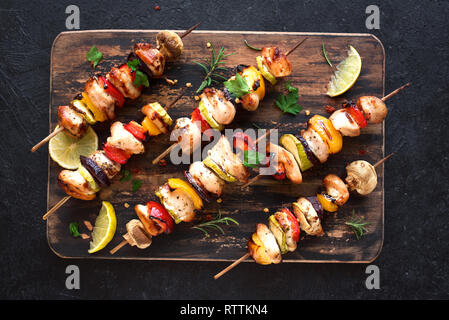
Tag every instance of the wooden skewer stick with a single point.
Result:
(296, 46)
(45, 140)
(189, 30)
(118, 247)
(235, 263)
(163, 154)
(378, 163)
(395, 92)
(56, 207)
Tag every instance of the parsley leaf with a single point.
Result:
(133, 64)
(289, 102)
(237, 87)
(137, 183)
(141, 79)
(73, 228)
(126, 176)
(94, 56)
(252, 158)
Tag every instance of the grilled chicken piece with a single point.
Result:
(178, 203)
(222, 154)
(136, 235)
(250, 101)
(221, 109)
(277, 62)
(123, 81)
(336, 188)
(150, 227)
(169, 44)
(188, 135)
(288, 160)
(206, 178)
(343, 122)
(110, 167)
(100, 98)
(267, 246)
(308, 217)
(123, 139)
(316, 144)
(373, 108)
(72, 121)
(285, 223)
(152, 57)
(73, 183)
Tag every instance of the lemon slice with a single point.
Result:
(66, 150)
(346, 75)
(104, 228)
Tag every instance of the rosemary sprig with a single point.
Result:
(325, 56)
(214, 65)
(358, 226)
(214, 224)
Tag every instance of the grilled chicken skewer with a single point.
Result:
(180, 199)
(282, 233)
(324, 136)
(217, 108)
(103, 94)
(99, 168)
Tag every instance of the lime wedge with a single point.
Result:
(66, 150)
(104, 228)
(346, 75)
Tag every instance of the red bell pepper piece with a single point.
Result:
(293, 223)
(126, 68)
(357, 115)
(243, 142)
(136, 130)
(280, 172)
(112, 91)
(196, 116)
(116, 154)
(160, 216)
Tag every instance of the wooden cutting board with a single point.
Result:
(70, 70)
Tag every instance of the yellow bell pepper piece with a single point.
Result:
(98, 114)
(323, 126)
(326, 203)
(150, 127)
(251, 75)
(175, 183)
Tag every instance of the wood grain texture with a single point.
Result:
(70, 70)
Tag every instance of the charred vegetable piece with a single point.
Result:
(112, 91)
(175, 183)
(336, 188)
(327, 202)
(323, 126)
(203, 193)
(96, 171)
(116, 154)
(136, 130)
(278, 233)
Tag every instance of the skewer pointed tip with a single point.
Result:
(296, 46)
(395, 92)
(378, 163)
(185, 33)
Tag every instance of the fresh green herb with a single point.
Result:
(358, 226)
(214, 224)
(137, 183)
(289, 102)
(252, 158)
(133, 64)
(126, 176)
(251, 47)
(211, 68)
(73, 228)
(237, 87)
(256, 126)
(325, 56)
(141, 78)
(94, 56)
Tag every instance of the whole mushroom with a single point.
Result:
(362, 177)
(169, 44)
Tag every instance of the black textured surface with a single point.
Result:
(413, 263)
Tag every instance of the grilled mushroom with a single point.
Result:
(362, 177)
(169, 44)
(336, 188)
(373, 108)
(136, 235)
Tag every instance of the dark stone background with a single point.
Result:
(414, 259)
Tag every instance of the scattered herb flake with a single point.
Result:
(73, 228)
(94, 56)
(288, 103)
(256, 125)
(237, 87)
(126, 176)
(137, 183)
(325, 55)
